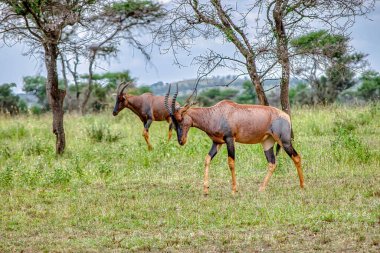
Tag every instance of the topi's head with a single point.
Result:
(182, 122)
(121, 101)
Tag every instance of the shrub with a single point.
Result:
(101, 132)
(36, 110)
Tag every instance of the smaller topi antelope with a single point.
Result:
(148, 107)
(228, 122)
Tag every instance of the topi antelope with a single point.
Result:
(147, 106)
(228, 122)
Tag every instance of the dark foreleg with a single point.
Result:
(231, 161)
(146, 133)
(213, 151)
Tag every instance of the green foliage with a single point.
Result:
(321, 42)
(300, 94)
(36, 110)
(133, 7)
(248, 96)
(110, 80)
(370, 87)
(338, 69)
(22, 106)
(9, 103)
(102, 132)
(105, 84)
(214, 95)
(36, 85)
(139, 90)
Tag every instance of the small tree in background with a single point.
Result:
(114, 22)
(51, 27)
(40, 25)
(103, 86)
(370, 87)
(9, 102)
(36, 85)
(212, 96)
(248, 95)
(327, 63)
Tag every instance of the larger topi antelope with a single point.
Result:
(148, 107)
(228, 122)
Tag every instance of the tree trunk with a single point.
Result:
(55, 96)
(282, 55)
(69, 100)
(251, 67)
(88, 92)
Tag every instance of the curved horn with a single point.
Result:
(166, 101)
(118, 88)
(174, 98)
(125, 86)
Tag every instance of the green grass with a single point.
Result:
(108, 193)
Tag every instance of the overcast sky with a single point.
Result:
(13, 65)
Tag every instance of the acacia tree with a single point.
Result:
(330, 54)
(290, 18)
(46, 24)
(8, 100)
(370, 88)
(260, 31)
(40, 24)
(115, 22)
(190, 19)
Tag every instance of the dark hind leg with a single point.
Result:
(281, 132)
(288, 147)
(269, 154)
(231, 161)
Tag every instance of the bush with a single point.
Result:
(36, 110)
(23, 107)
(101, 132)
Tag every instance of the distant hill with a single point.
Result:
(186, 86)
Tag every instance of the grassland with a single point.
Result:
(107, 193)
